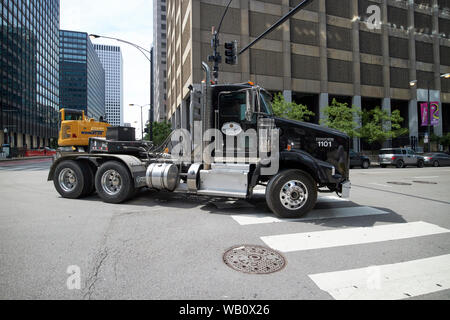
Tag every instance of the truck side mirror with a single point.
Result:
(250, 105)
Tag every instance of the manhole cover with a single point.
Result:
(425, 182)
(254, 260)
(401, 183)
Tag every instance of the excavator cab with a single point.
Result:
(72, 115)
(76, 129)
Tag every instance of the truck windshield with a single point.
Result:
(266, 103)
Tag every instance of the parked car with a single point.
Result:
(401, 158)
(437, 159)
(358, 160)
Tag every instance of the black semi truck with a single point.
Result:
(293, 160)
(235, 145)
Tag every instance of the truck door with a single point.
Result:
(236, 130)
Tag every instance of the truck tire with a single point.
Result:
(400, 164)
(70, 180)
(291, 194)
(114, 183)
(384, 166)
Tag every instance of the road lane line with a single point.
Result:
(322, 214)
(425, 177)
(388, 282)
(347, 237)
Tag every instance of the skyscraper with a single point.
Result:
(82, 77)
(160, 58)
(111, 58)
(29, 72)
(330, 50)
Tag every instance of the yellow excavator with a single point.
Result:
(76, 129)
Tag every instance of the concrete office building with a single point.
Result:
(326, 51)
(111, 58)
(82, 77)
(29, 72)
(160, 58)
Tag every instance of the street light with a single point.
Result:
(413, 84)
(142, 50)
(149, 56)
(142, 119)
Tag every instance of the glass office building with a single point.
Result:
(111, 58)
(29, 72)
(82, 77)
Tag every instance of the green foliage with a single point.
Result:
(161, 130)
(340, 117)
(290, 110)
(376, 127)
(445, 140)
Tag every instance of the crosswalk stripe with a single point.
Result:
(388, 282)
(332, 199)
(322, 214)
(347, 237)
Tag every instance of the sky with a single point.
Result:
(129, 20)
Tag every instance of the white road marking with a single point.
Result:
(425, 177)
(332, 199)
(348, 237)
(252, 219)
(377, 172)
(388, 282)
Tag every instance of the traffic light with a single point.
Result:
(231, 52)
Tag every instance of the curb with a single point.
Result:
(26, 159)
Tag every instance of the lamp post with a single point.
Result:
(142, 118)
(149, 56)
(429, 115)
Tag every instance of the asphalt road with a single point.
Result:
(166, 246)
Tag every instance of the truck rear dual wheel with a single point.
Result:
(73, 179)
(114, 183)
(291, 194)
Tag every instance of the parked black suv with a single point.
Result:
(358, 160)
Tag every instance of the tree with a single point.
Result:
(290, 110)
(161, 131)
(376, 126)
(445, 140)
(340, 117)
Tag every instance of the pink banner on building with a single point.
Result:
(425, 116)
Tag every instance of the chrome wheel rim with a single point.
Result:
(294, 195)
(112, 182)
(68, 180)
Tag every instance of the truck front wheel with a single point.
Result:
(114, 183)
(291, 194)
